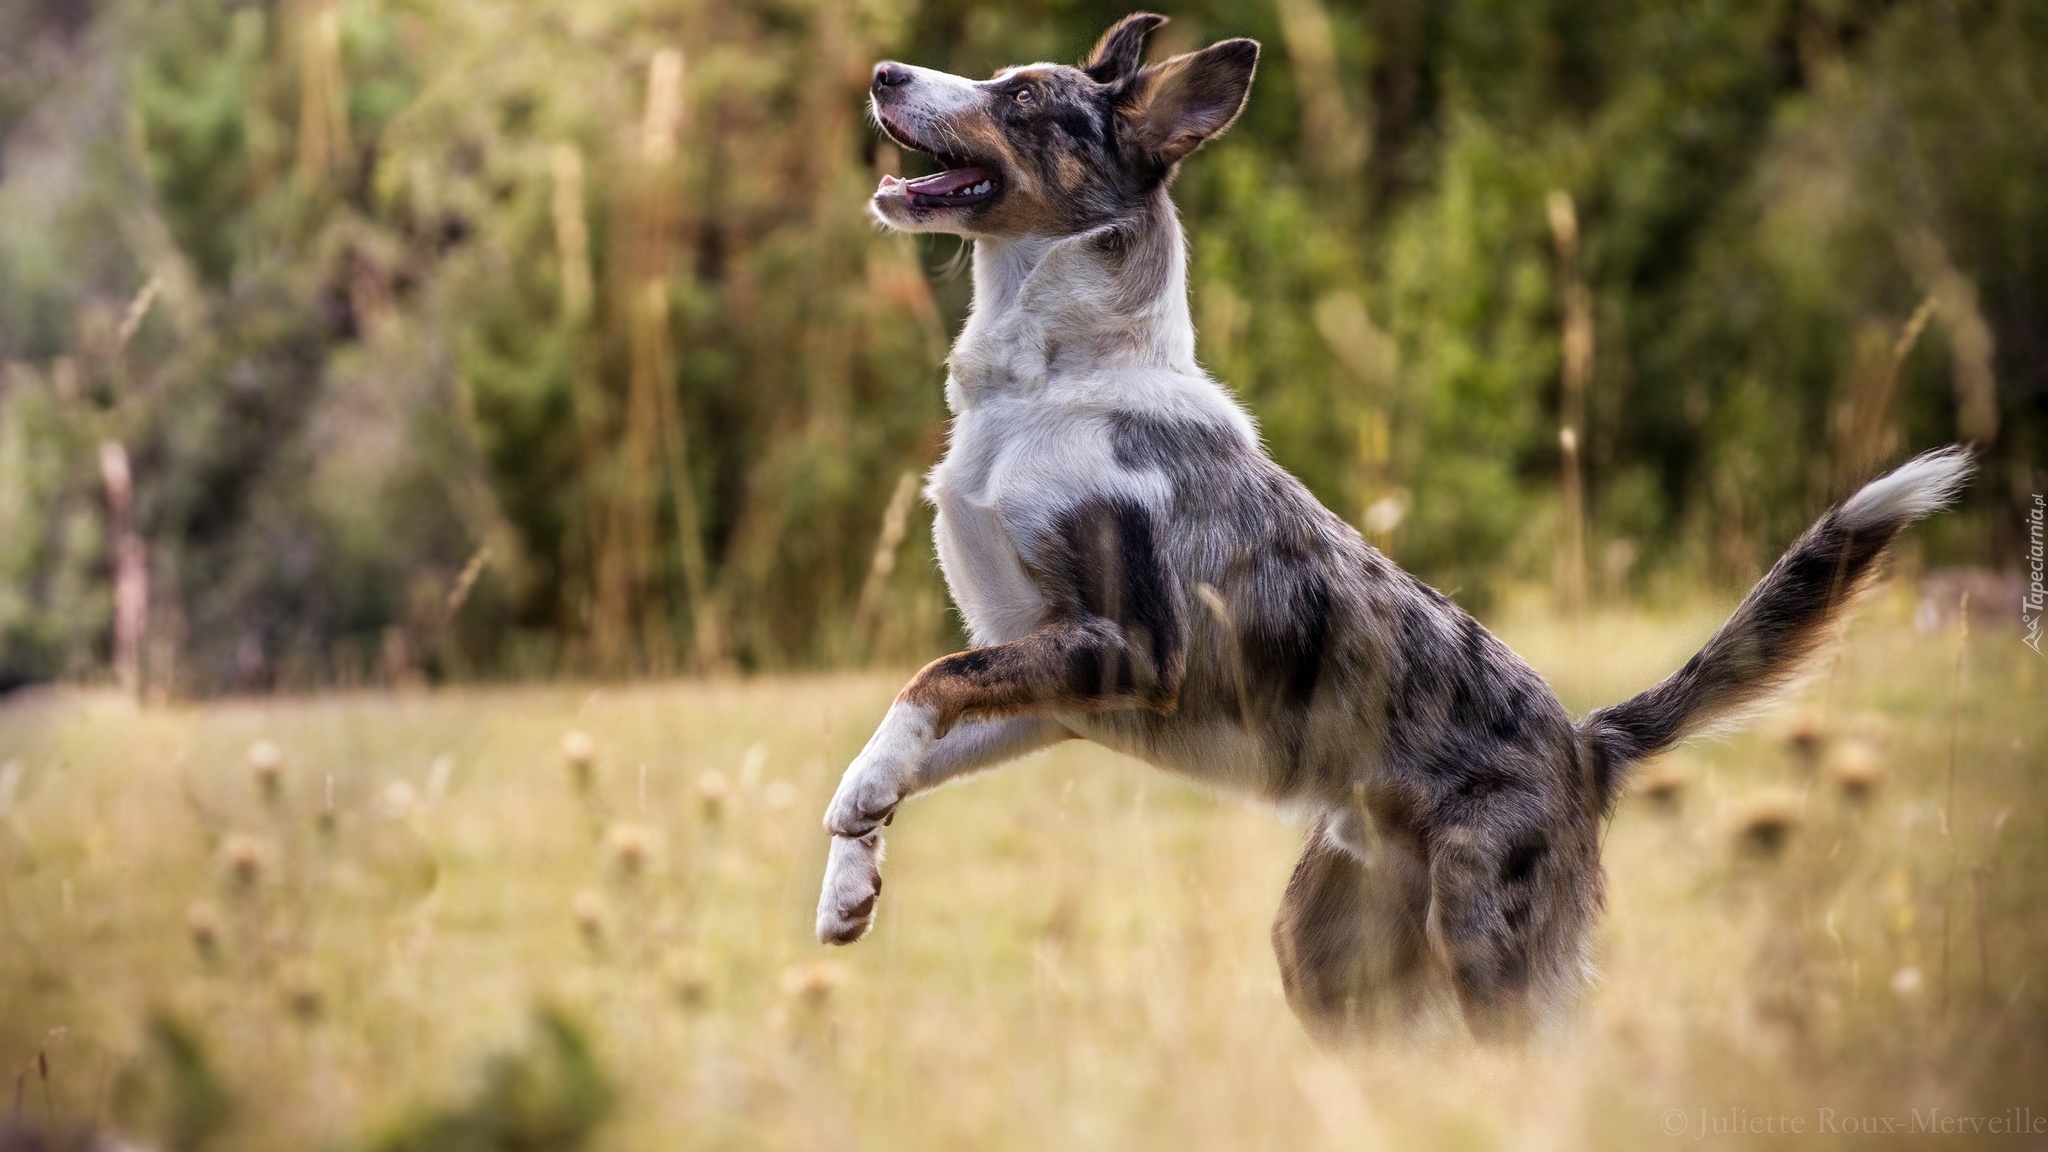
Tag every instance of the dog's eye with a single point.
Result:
(1024, 96)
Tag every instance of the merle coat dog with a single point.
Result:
(1135, 570)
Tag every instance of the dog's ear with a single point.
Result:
(1122, 48)
(1176, 106)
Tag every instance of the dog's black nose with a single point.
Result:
(889, 74)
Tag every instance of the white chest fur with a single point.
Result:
(1012, 468)
(1032, 427)
(983, 567)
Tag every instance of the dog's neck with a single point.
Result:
(1091, 305)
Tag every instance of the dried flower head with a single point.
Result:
(202, 924)
(243, 860)
(1857, 769)
(579, 753)
(1765, 822)
(1805, 733)
(630, 846)
(1663, 786)
(589, 913)
(300, 986)
(712, 793)
(266, 768)
(686, 974)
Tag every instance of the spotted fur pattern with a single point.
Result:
(1135, 570)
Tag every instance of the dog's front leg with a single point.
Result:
(876, 783)
(977, 744)
(1082, 665)
(853, 874)
(882, 775)
(1087, 665)
(853, 882)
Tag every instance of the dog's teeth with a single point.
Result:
(978, 189)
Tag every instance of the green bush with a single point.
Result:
(657, 422)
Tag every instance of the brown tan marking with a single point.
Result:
(1034, 676)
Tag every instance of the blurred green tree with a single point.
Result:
(485, 339)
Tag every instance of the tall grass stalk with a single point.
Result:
(1576, 343)
(1948, 804)
(888, 541)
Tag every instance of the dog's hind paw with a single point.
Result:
(853, 883)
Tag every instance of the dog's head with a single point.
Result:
(1048, 150)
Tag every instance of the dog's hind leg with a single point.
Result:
(1350, 933)
(1509, 907)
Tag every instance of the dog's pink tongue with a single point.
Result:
(948, 183)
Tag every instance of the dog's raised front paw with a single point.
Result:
(876, 780)
(865, 801)
(853, 883)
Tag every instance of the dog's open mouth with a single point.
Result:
(952, 188)
(961, 183)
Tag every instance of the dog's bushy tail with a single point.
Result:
(1785, 619)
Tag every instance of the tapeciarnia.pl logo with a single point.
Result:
(2036, 597)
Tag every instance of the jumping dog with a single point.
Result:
(1135, 570)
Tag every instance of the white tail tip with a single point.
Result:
(1918, 488)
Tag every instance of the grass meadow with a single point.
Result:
(437, 919)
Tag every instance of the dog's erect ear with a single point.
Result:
(1176, 106)
(1122, 48)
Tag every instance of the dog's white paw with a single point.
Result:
(853, 883)
(866, 800)
(878, 778)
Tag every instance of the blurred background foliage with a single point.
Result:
(385, 339)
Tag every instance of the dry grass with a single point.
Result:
(1072, 954)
